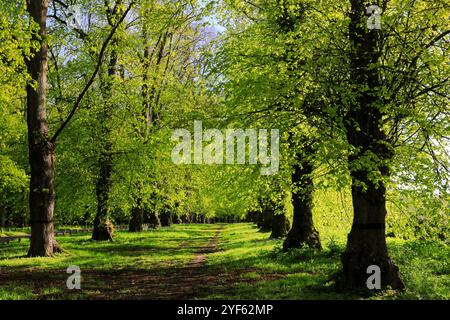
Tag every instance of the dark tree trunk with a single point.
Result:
(102, 224)
(153, 219)
(103, 228)
(266, 219)
(176, 218)
(302, 231)
(366, 243)
(86, 217)
(252, 216)
(280, 226)
(40, 148)
(137, 217)
(185, 219)
(166, 217)
(2, 216)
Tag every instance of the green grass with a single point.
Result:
(307, 274)
(12, 233)
(149, 250)
(246, 265)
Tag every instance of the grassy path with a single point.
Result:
(230, 261)
(168, 263)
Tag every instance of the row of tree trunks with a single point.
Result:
(272, 218)
(165, 218)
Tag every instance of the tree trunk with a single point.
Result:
(166, 217)
(103, 228)
(176, 218)
(280, 226)
(40, 148)
(185, 219)
(302, 231)
(153, 219)
(366, 243)
(252, 216)
(102, 225)
(2, 216)
(266, 219)
(137, 217)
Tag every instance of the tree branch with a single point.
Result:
(93, 76)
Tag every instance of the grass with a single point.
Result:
(245, 265)
(146, 251)
(12, 233)
(307, 274)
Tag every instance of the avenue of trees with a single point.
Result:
(89, 101)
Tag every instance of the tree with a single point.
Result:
(102, 224)
(366, 241)
(372, 120)
(302, 231)
(41, 146)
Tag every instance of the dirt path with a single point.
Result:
(190, 281)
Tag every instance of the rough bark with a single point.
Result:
(302, 232)
(366, 243)
(40, 149)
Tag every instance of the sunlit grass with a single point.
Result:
(254, 266)
(308, 274)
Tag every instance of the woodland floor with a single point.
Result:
(219, 261)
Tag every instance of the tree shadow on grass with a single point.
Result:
(158, 283)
